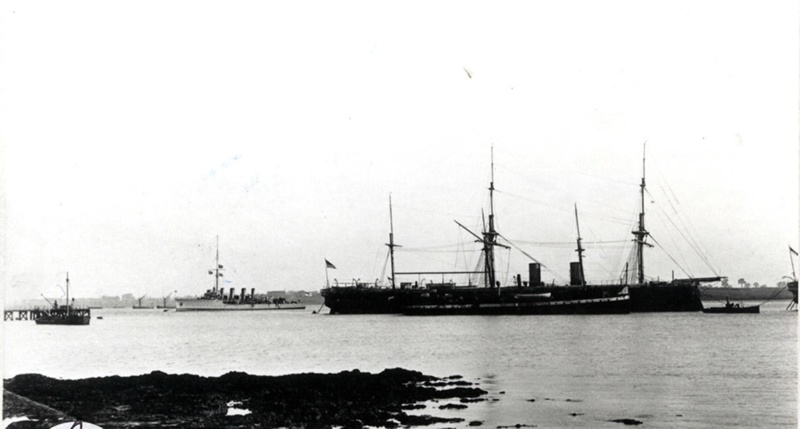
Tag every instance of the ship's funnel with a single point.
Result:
(253, 294)
(243, 295)
(230, 298)
(575, 274)
(535, 274)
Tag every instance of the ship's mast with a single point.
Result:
(489, 240)
(67, 293)
(579, 249)
(490, 237)
(391, 238)
(216, 269)
(641, 234)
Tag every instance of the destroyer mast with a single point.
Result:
(215, 272)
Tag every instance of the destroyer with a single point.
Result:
(216, 300)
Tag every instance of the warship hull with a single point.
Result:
(220, 305)
(667, 297)
(612, 305)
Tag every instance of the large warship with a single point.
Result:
(633, 293)
(216, 299)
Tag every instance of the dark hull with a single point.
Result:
(665, 298)
(659, 297)
(614, 305)
(732, 310)
(68, 320)
(351, 300)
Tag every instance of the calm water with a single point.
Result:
(674, 370)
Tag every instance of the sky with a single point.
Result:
(135, 133)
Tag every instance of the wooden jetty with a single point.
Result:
(38, 312)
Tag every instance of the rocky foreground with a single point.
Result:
(348, 399)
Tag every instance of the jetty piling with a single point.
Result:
(13, 314)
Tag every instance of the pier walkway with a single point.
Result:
(37, 312)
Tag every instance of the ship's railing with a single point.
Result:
(357, 283)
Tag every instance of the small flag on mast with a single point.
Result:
(793, 251)
(329, 265)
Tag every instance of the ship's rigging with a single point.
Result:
(486, 267)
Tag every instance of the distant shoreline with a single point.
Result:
(743, 294)
(310, 298)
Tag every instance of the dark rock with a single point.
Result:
(531, 400)
(425, 420)
(413, 406)
(347, 399)
(471, 400)
(452, 407)
(476, 423)
(627, 421)
(25, 424)
(575, 414)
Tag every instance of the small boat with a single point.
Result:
(142, 307)
(731, 308)
(65, 314)
(165, 306)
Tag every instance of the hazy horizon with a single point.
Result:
(134, 134)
